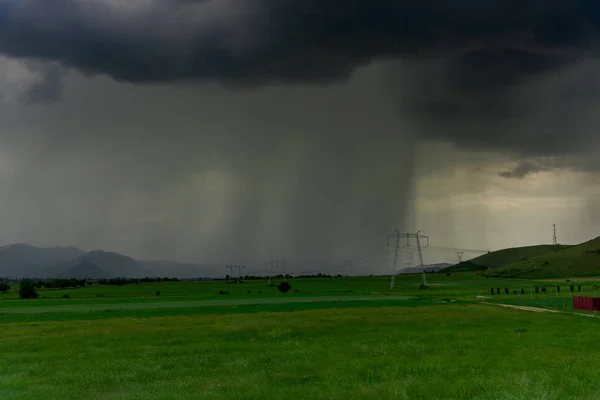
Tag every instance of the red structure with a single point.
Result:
(586, 303)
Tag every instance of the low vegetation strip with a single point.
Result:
(86, 308)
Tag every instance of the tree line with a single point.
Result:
(134, 281)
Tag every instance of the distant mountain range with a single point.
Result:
(427, 268)
(26, 261)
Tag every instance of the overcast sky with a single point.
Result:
(218, 132)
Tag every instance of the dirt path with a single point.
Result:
(525, 308)
(539, 310)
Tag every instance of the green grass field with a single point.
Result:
(350, 338)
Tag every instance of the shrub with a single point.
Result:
(27, 290)
(158, 292)
(515, 292)
(248, 292)
(572, 288)
(284, 287)
(498, 291)
(522, 291)
(4, 287)
(537, 290)
(492, 291)
(505, 290)
(558, 288)
(222, 293)
(66, 296)
(579, 288)
(544, 290)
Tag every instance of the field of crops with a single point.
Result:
(330, 338)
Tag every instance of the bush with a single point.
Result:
(66, 296)
(27, 290)
(158, 292)
(572, 288)
(579, 288)
(544, 290)
(4, 287)
(505, 290)
(522, 291)
(492, 291)
(558, 288)
(222, 293)
(537, 290)
(284, 287)
(498, 291)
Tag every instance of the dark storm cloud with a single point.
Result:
(465, 76)
(492, 43)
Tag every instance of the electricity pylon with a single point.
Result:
(459, 254)
(408, 236)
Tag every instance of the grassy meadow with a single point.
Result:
(350, 338)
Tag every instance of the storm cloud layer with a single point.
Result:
(492, 44)
(466, 64)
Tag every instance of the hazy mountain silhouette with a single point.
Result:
(113, 265)
(427, 268)
(22, 260)
(84, 270)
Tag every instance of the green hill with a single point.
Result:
(504, 257)
(579, 260)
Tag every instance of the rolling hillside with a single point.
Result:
(25, 260)
(582, 259)
(501, 258)
(84, 270)
(113, 265)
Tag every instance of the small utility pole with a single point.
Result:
(554, 241)
(459, 254)
(395, 258)
(230, 267)
(283, 271)
(239, 267)
(419, 250)
(345, 265)
(271, 271)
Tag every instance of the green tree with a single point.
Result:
(284, 287)
(28, 290)
(4, 287)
